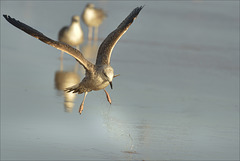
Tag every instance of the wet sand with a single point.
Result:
(177, 96)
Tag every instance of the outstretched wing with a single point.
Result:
(105, 49)
(58, 45)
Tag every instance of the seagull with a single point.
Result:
(97, 76)
(93, 17)
(72, 34)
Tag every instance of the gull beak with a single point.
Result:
(116, 75)
(111, 85)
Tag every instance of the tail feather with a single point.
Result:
(78, 88)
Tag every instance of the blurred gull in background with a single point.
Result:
(93, 17)
(72, 35)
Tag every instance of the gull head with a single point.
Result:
(108, 74)
(90, 5)
(75, 18)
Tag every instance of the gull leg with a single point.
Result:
(82, 104)
(90, 33)
(96, 34)
(61, 61)
(61, 57)
(76, 67)
(108, 97)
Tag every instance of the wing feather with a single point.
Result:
(56, 44)
(105, 49)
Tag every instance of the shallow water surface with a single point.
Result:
(177, 96)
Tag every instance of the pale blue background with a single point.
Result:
(177, 96)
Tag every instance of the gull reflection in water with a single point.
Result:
(65, 79)
(90, 51)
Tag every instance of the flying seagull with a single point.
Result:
(97, 76)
